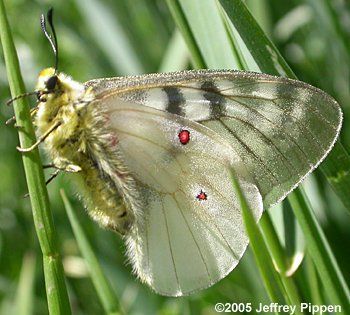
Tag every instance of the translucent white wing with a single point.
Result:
(189, 233)
(281, 128)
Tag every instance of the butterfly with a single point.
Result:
(152, 155)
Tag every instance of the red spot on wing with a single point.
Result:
(202, 195)
(184, 136)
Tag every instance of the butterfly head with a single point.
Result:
(53, 87)
(48, 84)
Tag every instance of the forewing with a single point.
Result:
(281, 128)
(189, 233)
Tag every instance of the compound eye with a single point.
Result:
(51, 83)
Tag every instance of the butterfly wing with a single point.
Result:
(282, 128)
(189, 233)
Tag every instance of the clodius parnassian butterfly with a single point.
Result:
(153, 153)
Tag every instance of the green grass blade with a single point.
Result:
(198, 13)
(110, 36)
(176, 56)
(270, 61)
(270, 277)
(24, 304)
(263, 50)
(313, 282)
(261, 10)
(336, 169)
(289, 234)
(244, 57)
(182, 23)
(320, 251)
(103, 288)
(279, 257)
(56, 291)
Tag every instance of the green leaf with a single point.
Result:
(182, 23)
(110, 36)
(198, 13)
(25, 296)
(319, 250)
(290, 236)
(103, 288)
(271, 280)
(56, 291)
(280, 260)
(176, 56)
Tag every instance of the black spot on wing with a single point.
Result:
(217, 101)
(176, 100)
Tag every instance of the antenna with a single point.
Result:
(52, 38)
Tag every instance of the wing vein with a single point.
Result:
(170, 247)
(319, 114)
(212, 219)
(194, 239)
(275, 125)
(268, 141)
(251, 152)
(298, 123)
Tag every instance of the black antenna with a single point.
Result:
(9, 102)
(53, 42)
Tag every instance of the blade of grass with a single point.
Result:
(270, 277)
(290, 235)
(57, 297)
(110, 36)
(180, 19)
(320, 251)
(336, 169)
(270, 61)
(198, 13)
(313, 282)
(244, 57)
(279, 257)
(266, 56)
(176, 56)
(262, 12)
(103, 288)
(24, 304)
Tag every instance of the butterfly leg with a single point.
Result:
(53, 175)
(70, 168)
(13, 118)
(48, 181)
(41, 139)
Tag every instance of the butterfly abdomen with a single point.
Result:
(102, 199)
